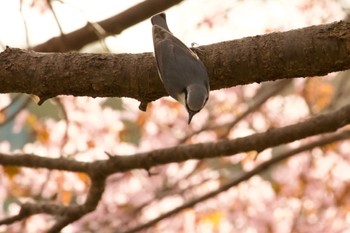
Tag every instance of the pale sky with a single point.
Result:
(230, 20)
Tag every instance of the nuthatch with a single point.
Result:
(184, 76)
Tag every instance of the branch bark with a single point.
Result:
(311, 51)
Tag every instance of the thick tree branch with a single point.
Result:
(77, 39)
(310, 51)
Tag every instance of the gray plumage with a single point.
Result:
(184, 76)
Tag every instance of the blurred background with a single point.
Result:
(303, 194)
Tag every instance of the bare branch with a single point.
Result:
(35, 161)
(100, 170)
(24, 24)
(61, 223)
(114, 25)
(49, 4)
(67, 214)
(259, 99)
(314, 126)
(260, 168)
(20, 216)
(118, 163)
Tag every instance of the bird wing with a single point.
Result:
(178, 65)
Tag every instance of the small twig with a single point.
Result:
(61, 223)
(68, 214)
(99, 31)
(55, 17)
(24, 24)
(13, 219)
(259, 99)
(65, 117)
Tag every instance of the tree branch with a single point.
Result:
(246, 176)
(99, 170)
(314, 126)
(35, 161)
(273, 137)
(66, 214)
(260, 97)
(296, 53)
(77, 39)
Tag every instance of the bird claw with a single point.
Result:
(197, 50)
(143, 106)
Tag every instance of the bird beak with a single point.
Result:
(190, 115)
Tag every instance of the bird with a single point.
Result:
(182, 73)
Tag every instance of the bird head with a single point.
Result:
(196, 97)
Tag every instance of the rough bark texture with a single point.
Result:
(50, 74)
(311, 51)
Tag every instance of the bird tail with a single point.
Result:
(160, 20)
